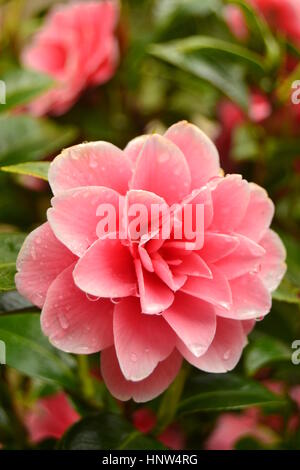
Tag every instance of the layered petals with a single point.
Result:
(141, 341)
(162, 169)
(224, 351)
(41, 259)
(74, 216)
(73, 321)
(144, 390)
(90, 164)
(199, 151)
(106, 270)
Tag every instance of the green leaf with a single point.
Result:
(245, 145)
(30, 352)
(12, 301)
(259, 27)
(22, 86)
(287, 292)
(214, 60)
(165, 10)
(106, 431)
(36, 169)
(227, 392)
(263, 351)
(10, 244)
(24, 138)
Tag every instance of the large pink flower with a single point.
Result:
(76, 46)
(148, 302)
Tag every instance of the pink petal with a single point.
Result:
(250, 299)
(194, 322)
(74, 218)
(134, 147)
(144, 390)
(224, 352)
(106, 270)
(90, 164)
(217, 246)
(259, 214)
(72, 321)
(216, 290)
(41, 259)
(199, 151)
(155, 296)
(244, 259)
(193, 265)
(273, 265)
(163, 271)
(162, 169)
(230, 201)
(141, 341)
(145, 212)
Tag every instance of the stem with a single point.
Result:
(171, 399)
(85, 378)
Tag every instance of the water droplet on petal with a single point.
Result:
(63, 321)
(92, 298)
(133, 357)
(226, 355)
(116, 300)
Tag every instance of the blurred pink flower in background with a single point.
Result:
(281, 15)
(149, 302)
(78, 48)
(50, 417)
(230, 116)
(144, 420)
(232, 427)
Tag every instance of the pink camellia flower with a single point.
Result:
(78, 48)
(148, 299)
(231, 428)
(50, 417)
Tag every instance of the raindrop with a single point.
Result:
(92, 298)
(63, 321)
(133, 357)
(226, 355)
(116, 300)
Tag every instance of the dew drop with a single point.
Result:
(92, 298)
(226, 355)
(163, 157)
(116, 300)
(63, 321)
(133, 357)
(93, 164)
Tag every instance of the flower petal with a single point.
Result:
(199, 151)
(41, 259)
(250, 299)
(225, 350)
(273, 265)
(217, 246)
(215, 291)
(134, 147)
(74, 219)
(144, 390)
(258, 215)
(194, 322)
(244, 259)
(106, 270)
(141, 341)
(230, 201)
(90, 164)
(72, 321)
(162, 169)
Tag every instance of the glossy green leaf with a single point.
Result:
(10, 244)
(216, 392)
(24, 138)
(30, 352)
(214, 60)
(36, 169)
(263, 351)
(106, 431)
(22, 86)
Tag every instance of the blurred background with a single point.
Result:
(231, 68)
